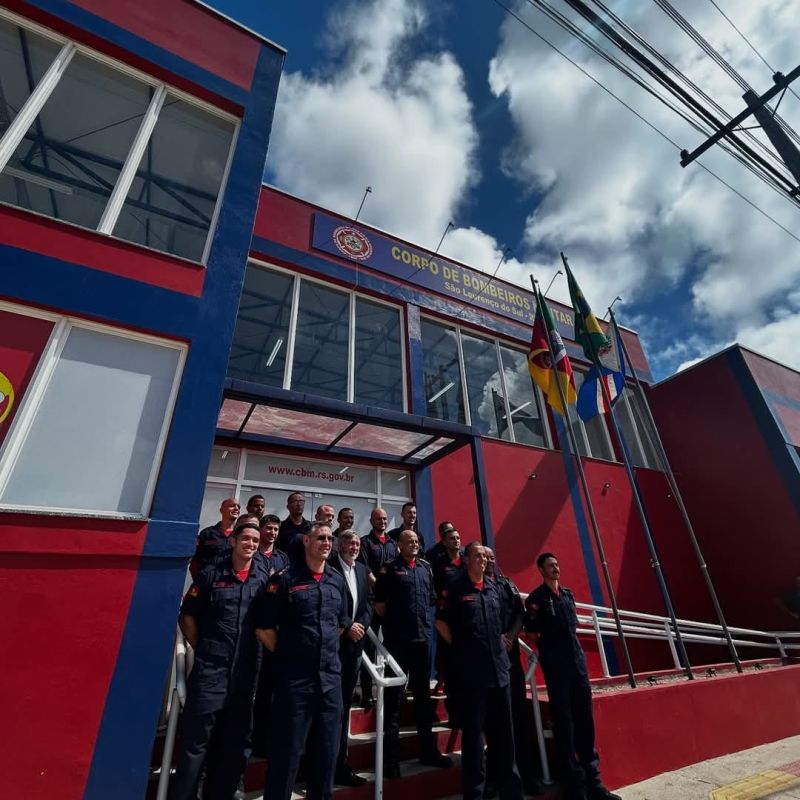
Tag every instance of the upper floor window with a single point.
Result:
(480, 381)
(303, 335)
(97, 145)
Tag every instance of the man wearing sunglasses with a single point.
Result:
(302, 614)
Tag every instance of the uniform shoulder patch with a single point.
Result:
(273, 587)
(194, 591)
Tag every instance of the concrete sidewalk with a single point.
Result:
(768, 771)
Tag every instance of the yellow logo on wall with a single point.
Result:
(6, 397)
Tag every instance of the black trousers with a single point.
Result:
(525, 747)
(263, 703)
(414, 659)
(487, 712)
(307, 717)
(350, 656)
(570, 697)
(215, 740)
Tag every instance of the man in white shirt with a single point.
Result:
(351, 644)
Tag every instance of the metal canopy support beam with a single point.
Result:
(481, 495)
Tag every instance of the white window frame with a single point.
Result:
(41, 94)
(353, 296)
(34, 395)
(498, 342)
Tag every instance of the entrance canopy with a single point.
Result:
(257, 413)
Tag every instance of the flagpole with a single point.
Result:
(651, 546)
(612, 598)
(679, 499)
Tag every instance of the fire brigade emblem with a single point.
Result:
(6, 397)
(352, 243)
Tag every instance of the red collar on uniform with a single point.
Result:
(479, 585)
(317, 576)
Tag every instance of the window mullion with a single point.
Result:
(30, 110)
(33, 397)
(287, 377)
(351, 351)
(506, 402)
(126, 176)
(463, 371)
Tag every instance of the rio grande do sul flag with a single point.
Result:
(540, 363)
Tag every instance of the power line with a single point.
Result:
(570, 27)
(633, 111)
(749, 43)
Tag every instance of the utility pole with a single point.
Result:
(757, 107)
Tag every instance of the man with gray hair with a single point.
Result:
(358, 599)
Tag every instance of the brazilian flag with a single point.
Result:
(588, 333)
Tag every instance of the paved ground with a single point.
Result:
(770, 771)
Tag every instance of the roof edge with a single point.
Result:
(240, 25)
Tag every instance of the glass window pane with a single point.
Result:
(595, 428)
(484, 387)
(441, 372)
(172, 199)
(321, 345)
(377, 439)
(92, 444)
(71, 157)
(575, 422)
(625, 421)
(24, 58)
(645, 435)
(526, 416)
(224, 463)
(379, 360)
(212, 500)
(262, 327)
(297, 425)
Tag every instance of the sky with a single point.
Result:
(455, 111)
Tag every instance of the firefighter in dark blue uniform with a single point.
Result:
(271, 561)
(404, 600)
(213, 542)
(513, 616)
(551, 621)
(470, 617)
(218, 621)
(292, 529)
(302, 613)
(378, 550)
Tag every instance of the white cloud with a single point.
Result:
(403, 127)
(615, 198)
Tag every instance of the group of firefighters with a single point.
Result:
(279, 613)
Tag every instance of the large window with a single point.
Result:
(442, 372)
(102, 147)
(635, 429)
(90, 434)
(592, 436)
(303, 335)
(501, 400)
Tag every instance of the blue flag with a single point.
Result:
(611, 371)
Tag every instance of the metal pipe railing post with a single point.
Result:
(781, 648)
(600, 649)
(379, 715)
(530, 676)
(674, 650)
(169, 746)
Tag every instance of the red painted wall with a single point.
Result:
(735, 494)
(532, 515)
(90, 249)
(65, 586)
(654, 730)
(186, 28)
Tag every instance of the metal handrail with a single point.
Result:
(376, 670)
(640, 625)
(177, 698)
(530, 677)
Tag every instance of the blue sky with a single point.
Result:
(455, 111)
